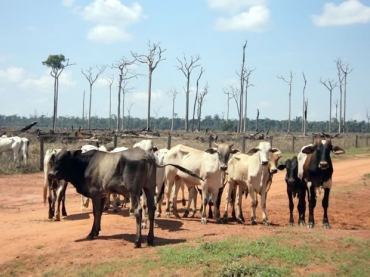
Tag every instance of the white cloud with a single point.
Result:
(256, 19)
(234, 5)
(46, 83)
(112, 19)
(68, 3)
(346, 13)
(12, 74)
(143, 96)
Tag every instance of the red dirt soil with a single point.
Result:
(26, 231)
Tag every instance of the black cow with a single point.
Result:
(96, 173)
(316, 170)
(295, 188)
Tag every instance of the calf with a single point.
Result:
(315, 169)
(55, 189)
(295, 188)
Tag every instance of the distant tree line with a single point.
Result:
(164, 123)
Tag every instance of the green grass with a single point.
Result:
(287, 253)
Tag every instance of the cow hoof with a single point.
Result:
(157, 215)
(132, 216)
(302, 223)
(253, 222)
(310, 225)
(137, 245)
(225, 220)
(143, 226)
(266, 223)
(326, 226)
(90, 237)
(176, 215)
(115, 211)
(239, 220)
(57, 219)
(168, 215)
(183, 202)
(150, 243)
(186, 214)
(219, 221)
(192, 215)
(105, 208)
(291, 224)
(155, 225)
(64, 214)
(203, 221)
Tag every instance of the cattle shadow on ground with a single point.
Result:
(169, 225)
(79, 216)
(131, 239)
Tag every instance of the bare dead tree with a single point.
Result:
(156, 112)
(125, 73)
(257, 118)
(172, 93)
(110, 80)
(152, 59)
(201, 102)
(83, 110)
(234, 92)
(344, 67)
(340, 85)
(289, 82)
(242, 80)
(196, 96)
(330, 85)
(247, 73)
(91, 78)
(124, 89)
(336, 108)
(227, 92)
(303, 99)
(368, 120)
(186, 68)
(305, 117)
(129, 106)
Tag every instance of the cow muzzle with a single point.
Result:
(273, 171)
(323, 165)
(223, 167)
(264, 162)
(291, 181)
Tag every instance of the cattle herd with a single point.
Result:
(18, 146)
(145, 176)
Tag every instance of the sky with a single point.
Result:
(282, 36)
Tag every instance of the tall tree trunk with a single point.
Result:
(83, 110)
(55, 103)
(123, 110)
(173, 113)
(89, 122)
(187, 105)
(119, 102)
(149, 99)
(110, 108)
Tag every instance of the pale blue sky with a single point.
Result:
(282, 36)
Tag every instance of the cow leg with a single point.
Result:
(144, 213)
(291, 206)
(64, 211)
(151, 210)
(84, 202)
(205, 198)
(193, 196)
(311, 204)
(216, 195)
(114, 203)
(107, 202)
(238, 194)
(325, 205)
(178, 183)
(302, 207)
(263, 206)
(159, 198)
(168, 191)
(98, 206)
(183, 201)
(135, 204)
(254, 203)
(225, 218)
(51, 210)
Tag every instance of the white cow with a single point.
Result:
(24, 149)
(89, 147)
(13, 144)
(208, 165)
(251, 174)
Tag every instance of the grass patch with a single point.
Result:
(39, 246)
(288, 253)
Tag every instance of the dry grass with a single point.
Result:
(285, 144)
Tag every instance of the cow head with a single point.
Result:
(274, 157)
(223, 150)
(321, 149)
(62, 164)
(264, 149)
(291, 166)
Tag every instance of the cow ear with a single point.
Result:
(308, 149)
(253, 150)
(234, 151)
(155, 149)
(338, 150)
(274, 150)
(211, 150)
(281, 166)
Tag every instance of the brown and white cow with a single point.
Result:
(210, 165)
(315, 169)
(253, 175)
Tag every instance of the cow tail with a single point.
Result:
(45, 190)
(191, 173)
